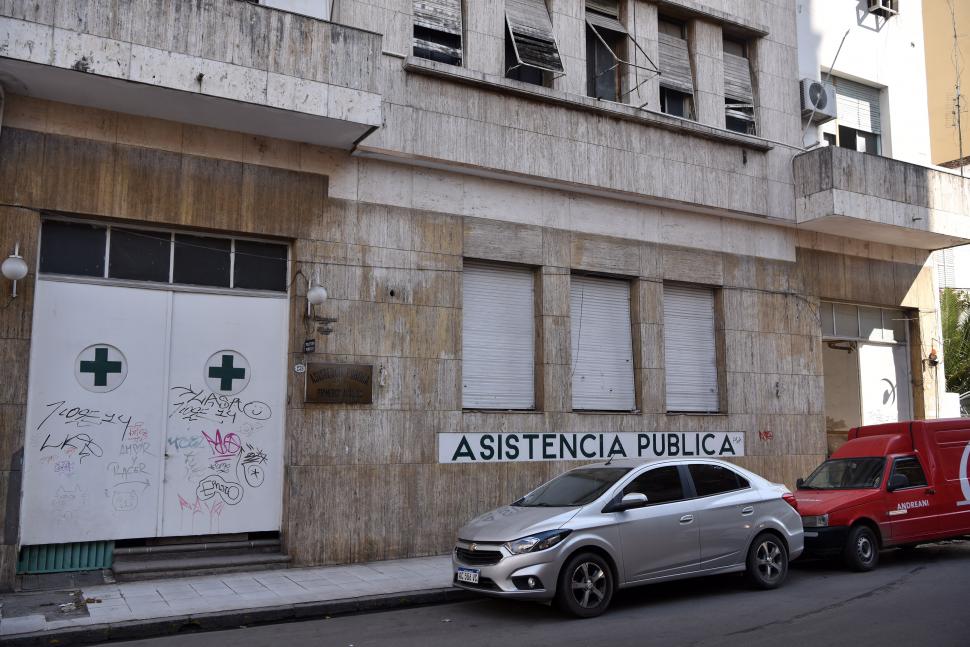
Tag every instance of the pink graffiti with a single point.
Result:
(223, 447)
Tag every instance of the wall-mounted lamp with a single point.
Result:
(14, 268)
(316, 294)
(933, 358)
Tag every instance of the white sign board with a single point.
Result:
(517, 447)
(885, 385)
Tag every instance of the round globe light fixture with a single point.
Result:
(14, 268)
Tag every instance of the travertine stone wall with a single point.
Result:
(362, 482)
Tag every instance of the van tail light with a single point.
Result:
(790, 499)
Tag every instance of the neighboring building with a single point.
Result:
(943, 57)
(548, 230)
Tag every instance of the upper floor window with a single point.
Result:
(531, 50)
(437, 30)
(738, 92)
(606, 45)
(858, 118)
(135, 254)
(676, 79)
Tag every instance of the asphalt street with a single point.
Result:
(915, 598)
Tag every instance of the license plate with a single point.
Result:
(469, 575)
(811, 534)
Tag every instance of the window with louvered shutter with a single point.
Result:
(674, 58)
(602, 344)
(533, 41)
(857, 106)
(438, 30)
(498, 337)
(690, 349)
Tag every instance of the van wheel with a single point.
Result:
(585, 586)
(861, 549)
(767, 565)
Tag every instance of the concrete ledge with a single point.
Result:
(156, 627)
(454, 73)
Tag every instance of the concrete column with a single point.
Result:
(554, 390)
(569, 25)
(704, 41)
(640, 19)
(646, 314)
(484, 38)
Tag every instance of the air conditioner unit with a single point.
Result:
(885, 8)
(818, 101)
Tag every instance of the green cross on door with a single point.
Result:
(226, 373)
(101, 367)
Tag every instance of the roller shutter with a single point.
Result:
(602, 344)
(498, 337)
(690, 349)
(857, 105)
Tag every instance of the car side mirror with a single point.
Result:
(799, 483)
(898, 482)
(628, 502)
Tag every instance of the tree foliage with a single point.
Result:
(955, 316)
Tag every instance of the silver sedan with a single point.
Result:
(594, 529)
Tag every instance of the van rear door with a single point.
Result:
(913, 507)
(952, 448)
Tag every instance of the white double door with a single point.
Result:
(152, 413)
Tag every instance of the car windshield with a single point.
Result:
(846, 474)
(574, 488)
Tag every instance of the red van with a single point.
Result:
(897, 484)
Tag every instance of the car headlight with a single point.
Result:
(819, 521)
(536, 542)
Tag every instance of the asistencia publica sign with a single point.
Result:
(515, 447)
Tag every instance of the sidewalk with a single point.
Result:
(160, 607)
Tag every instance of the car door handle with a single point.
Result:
(745, 511)
(930, 490)
(687, 518)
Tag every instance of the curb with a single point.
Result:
(232, 619)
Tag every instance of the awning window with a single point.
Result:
(437, 30)
(675, 64)
(533, 41)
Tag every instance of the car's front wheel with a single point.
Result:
(585, 586)
(861, 551)
(767, 561)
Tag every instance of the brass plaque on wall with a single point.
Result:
(339, 383)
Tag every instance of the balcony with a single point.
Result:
(220, 63)
(845, 193)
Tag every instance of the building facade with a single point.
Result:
(549, 232)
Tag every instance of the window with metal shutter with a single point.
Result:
(857, 105)
(690, 349)
(675, 64)
(437, 30)
(533, 40)
(498, 337)
(602, 344)
(737, 79)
